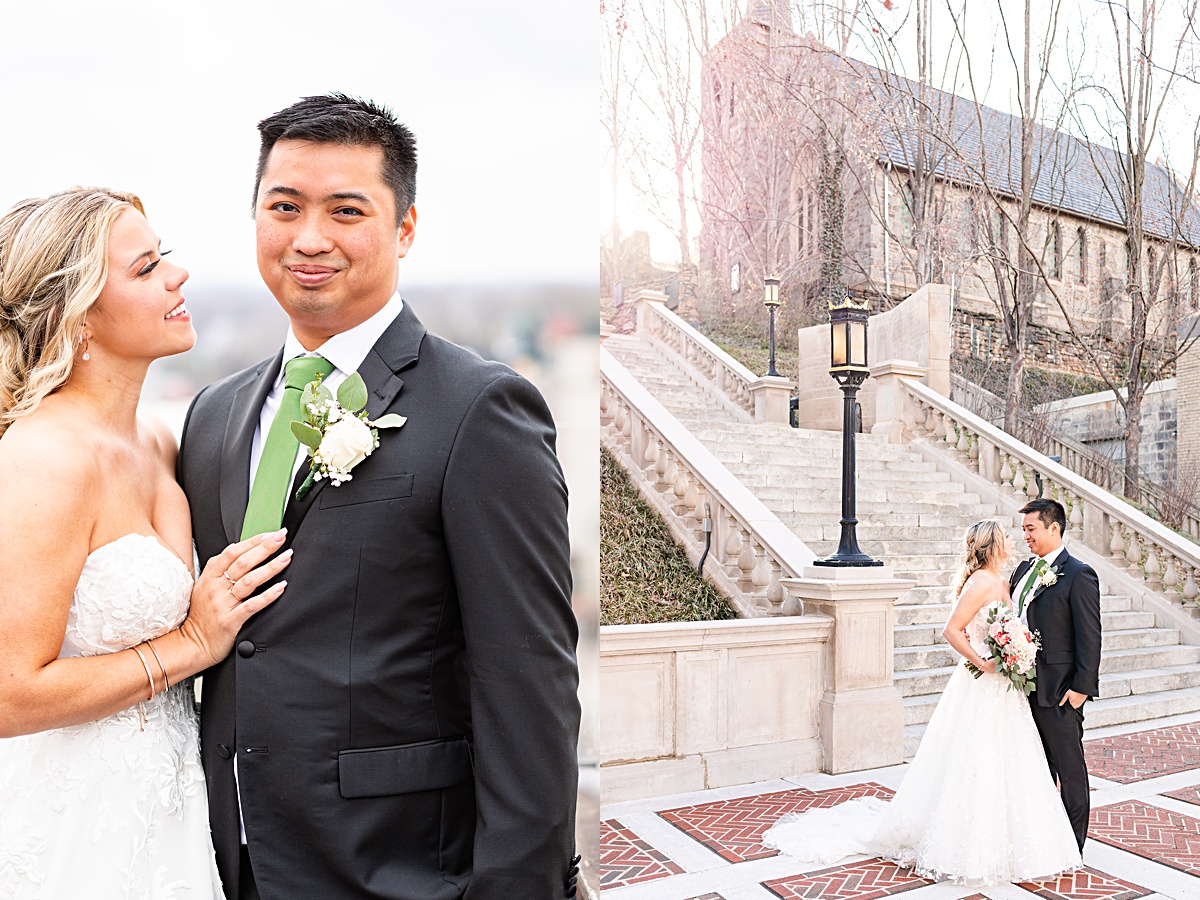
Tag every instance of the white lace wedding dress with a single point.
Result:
(977, 805)
(107, 810)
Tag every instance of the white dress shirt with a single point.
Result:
(346, 351)
(1049, 558)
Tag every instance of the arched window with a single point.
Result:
(1193, 283)
(1002, 231)
(1082, 256)
(1053, 260)
(802, 222)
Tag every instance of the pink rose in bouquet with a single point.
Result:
(1014, 649)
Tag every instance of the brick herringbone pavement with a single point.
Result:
(861, 881)
(1187, 794)
(1149, 831)
(1087, 884)
(1144, 754)
(734, 828)
(627, 859)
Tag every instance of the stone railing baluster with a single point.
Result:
(1156, 556)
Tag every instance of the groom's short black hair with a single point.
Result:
(341, 119)
(1051, 512)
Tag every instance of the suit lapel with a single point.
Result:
(395, 350)
(1060, 563)
(239, 437)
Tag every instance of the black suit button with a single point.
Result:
(245, 649)
(223, 751)
(571, 891)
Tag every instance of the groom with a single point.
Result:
(1059, 597)
(402, 723)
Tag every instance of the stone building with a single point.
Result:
(930, 185)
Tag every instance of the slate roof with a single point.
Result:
(1072, 171)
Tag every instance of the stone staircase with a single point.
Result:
(912, 516)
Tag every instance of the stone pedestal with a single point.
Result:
(771, 394)
(861, 714)
(643, 299)
(893, 411)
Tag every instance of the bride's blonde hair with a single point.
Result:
(983, 545)
(53, 264)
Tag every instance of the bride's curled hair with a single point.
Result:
(53, 264)
(983, 545)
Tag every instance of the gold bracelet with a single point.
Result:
(166, 681)
(146, 666)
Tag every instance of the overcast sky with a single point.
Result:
(161, 98)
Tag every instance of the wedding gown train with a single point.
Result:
(108, 810)
(977, 805)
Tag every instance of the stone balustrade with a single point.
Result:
(1151, 553)
(750, 550)
(761, 399)
(1082, 461)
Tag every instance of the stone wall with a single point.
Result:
(1098, 421)
(1187, 371)
(917, 332)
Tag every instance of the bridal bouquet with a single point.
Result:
(1014, 648)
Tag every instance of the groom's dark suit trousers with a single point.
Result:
(1061, 729)
(247, 889)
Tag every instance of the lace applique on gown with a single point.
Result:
(106, 810)
(977, 805)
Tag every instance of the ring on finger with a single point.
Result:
(232, 581)
(233, 595)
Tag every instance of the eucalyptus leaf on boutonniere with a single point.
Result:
(336, 430)
(1047, 578)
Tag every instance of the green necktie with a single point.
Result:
(1038, 567)
(277, 465)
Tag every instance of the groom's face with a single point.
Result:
(328, 236)
(1039, 538)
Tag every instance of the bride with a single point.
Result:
(977, 805)
(102, 620)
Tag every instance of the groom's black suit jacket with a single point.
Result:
(1067, 616)
(405, 716)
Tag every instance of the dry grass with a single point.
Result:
(644, 575)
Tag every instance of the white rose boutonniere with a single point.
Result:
(336, 431)
(1048, 578)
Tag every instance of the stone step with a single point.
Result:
(1138, 638)
(829, 478)
(926, 634)
(941, 495)
(794, 466)
(1137, 658)
(932, 656)
(871, 530)
(927, 614)
(1149, 682)
(942, 555)
(1139, 707)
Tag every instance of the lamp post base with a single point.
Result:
(838, 560)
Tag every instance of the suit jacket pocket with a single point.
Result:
(406, 769)
(367, 490)
(1059, 658)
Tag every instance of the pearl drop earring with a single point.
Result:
(83, 340)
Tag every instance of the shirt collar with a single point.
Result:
(346, 350)
(1053, 555)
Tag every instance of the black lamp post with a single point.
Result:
(848, 366)
(772, 302)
